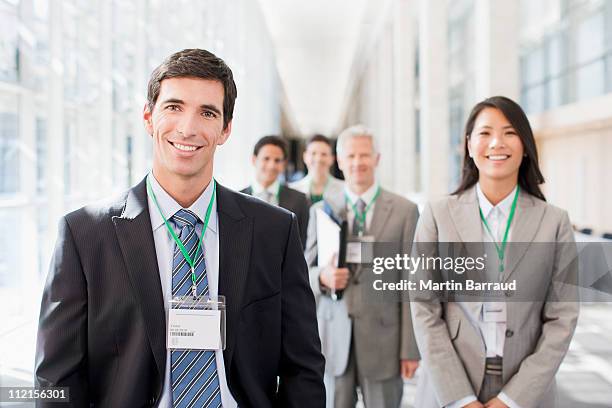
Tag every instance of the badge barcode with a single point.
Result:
(183, 334)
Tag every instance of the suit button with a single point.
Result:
(509, 333)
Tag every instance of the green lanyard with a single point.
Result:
(501, 250)
(361, 216)
(318, 196)
(190, 261)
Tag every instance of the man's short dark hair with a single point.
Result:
(319, 138)
(195, 63)
(271, 140)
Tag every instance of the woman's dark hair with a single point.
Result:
(529, 177)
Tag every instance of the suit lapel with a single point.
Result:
(135, 236)
(337, 203)
(464, 213)
(382, 211)
(527, 220)
(283, 198)
(235, 235)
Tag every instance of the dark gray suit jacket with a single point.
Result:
(102, 323)
(294, 201)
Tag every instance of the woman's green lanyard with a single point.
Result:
(361, 216)
(191, 262)
(501, 250)
(315, 198)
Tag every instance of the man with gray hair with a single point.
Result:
(368, 345)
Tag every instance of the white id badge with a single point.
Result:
(360, 251)
(353, 252)
(494, 312)
(196, 323)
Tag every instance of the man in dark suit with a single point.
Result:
(105, 308)
(269, 160)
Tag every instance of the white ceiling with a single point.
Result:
(315, 43)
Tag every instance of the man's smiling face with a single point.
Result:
(186, 125)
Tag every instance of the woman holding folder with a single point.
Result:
(501, 353)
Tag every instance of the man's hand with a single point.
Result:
(332, 277)
(475, 404)
(409, 367)
(495, 403)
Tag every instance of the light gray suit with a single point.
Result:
(381, 332)
(538, 332)
(334, 188)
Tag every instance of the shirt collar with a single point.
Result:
(169, 206)
(258, 188)
(367, 196)
(485, 205)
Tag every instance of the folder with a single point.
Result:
(332, 236)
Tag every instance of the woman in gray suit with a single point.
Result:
(501, 353)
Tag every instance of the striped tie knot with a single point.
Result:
(185, 217)
(361, 205)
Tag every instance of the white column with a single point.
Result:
(382, 120)
(496, 49)
(105, 113)
(141, 142)
(404, 152)
(433, 80)
(54, 175)
(27, 180)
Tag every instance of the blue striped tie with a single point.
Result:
(194, 378)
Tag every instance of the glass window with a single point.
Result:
(590, 39)
(609, 73)
(533, 66)
(9, 249)
(68, 159)
(9, 50)
(590, 80)
(9, 152)
(41, 155)
(554, 91)
(533, 99)
(556, 54)
(42, 226)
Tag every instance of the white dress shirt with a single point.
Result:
(493, 333)
(269, 194)
(164, 247)
(367, 198)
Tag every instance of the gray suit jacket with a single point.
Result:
(381, 331)
(538, 332)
